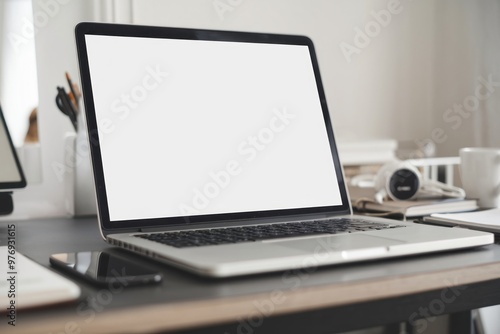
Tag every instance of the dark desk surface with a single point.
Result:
(335, 299)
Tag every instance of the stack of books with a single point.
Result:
(372, 152)
(363, 201)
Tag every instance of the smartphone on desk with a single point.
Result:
(104, 268)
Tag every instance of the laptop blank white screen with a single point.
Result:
(191, 127)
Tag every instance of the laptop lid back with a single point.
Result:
(197, 126)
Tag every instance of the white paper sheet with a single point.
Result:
(485, 217)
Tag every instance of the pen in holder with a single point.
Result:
(66, 106)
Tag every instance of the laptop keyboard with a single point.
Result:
(229, 235)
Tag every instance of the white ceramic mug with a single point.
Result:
(480, 172)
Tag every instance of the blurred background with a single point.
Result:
(410, 78)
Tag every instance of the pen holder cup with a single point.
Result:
(79, 183)
(31, 161)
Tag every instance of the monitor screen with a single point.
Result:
(186, 126)
(11, 174)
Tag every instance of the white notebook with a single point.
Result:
(33, 284)
(485, 220)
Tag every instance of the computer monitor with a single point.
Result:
(11, 173)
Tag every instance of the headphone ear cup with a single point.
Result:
(404, 183)
(397, 179)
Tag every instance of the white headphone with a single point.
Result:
(400, 180)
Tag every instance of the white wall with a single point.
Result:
(467, 46)
(18, 86)
(424, 61)
(382, 93)
(1, 35)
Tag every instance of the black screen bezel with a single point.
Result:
(103, 29)
(11, 184)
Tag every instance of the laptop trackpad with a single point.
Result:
(349, 245)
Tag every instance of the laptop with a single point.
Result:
(213, 151)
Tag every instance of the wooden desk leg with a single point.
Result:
(461, 323)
